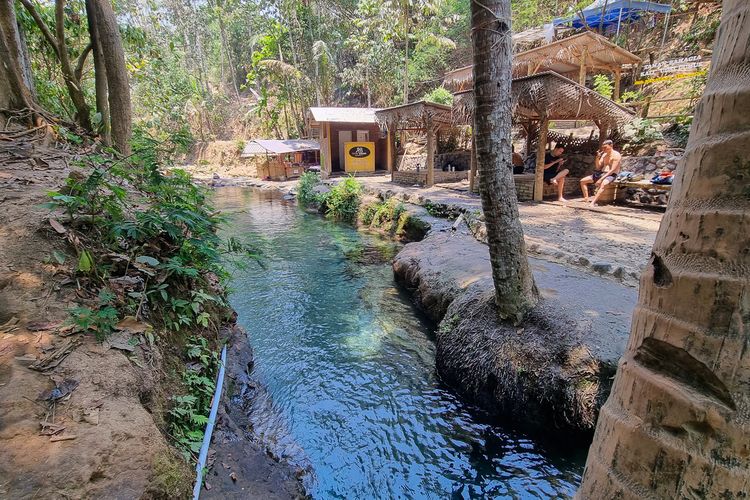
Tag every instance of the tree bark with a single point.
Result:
(100, 77)
(82, 116)
(515, 290)
(14, 94)
(676, 422)
(117, 75)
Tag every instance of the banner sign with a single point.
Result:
(671, 77)
(680, 65)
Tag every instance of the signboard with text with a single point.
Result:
(360, 156)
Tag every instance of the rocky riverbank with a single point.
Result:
(553, 372)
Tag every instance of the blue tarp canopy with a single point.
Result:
(606, 13)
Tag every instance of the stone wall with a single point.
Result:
(460, 160)
(650, 164)
(525, 187)
(412, 177)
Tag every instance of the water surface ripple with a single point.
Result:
(349, 365)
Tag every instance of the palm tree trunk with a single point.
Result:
(676, 422)
(515, 290)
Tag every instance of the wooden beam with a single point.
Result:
(540, 151)
(430, 163)
(617, 77)
(389, 151)
(582, 67)
(473, 167)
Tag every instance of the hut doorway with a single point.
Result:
(344, 137)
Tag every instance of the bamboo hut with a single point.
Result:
(420, 116)
(574, 57)
(285, 159)
(541, 98)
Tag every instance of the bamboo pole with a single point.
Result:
(540, 150)
(389, 150)
(430, 163)
(618, 77)
(473, 167)
(582, 70)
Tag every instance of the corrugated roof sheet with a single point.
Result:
(344, 115)
(276, 147)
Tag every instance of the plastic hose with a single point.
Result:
(209, 427)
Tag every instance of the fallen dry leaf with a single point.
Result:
(57, 226)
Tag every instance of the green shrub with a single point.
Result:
(603, 85)
(305, 189)
(642, 131)
(342, 202)
(439, 95)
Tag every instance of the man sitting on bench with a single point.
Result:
(553, 174)
(607, 166)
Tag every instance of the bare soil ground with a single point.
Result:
(78, 418)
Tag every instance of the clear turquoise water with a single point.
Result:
(349, 366)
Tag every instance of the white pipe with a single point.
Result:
(209, 427)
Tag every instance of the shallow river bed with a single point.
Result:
(348, 364)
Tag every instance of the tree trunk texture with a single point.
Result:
(82, 115)
(100, 77)
(515, 290)
(14, 94)
(117, 75)
(676, 423)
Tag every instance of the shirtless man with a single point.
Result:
(607, 166)
(553, 173)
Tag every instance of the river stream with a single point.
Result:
(349, 366)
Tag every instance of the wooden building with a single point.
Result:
(335, 128)
(283, 159)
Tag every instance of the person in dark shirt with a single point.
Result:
(553, 171)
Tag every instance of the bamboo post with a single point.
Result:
(582, 70)
(617, 77)
(540, 150)
(389, 150)
(430, 163)
(473, 168)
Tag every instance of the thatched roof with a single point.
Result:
(563, 57)
(552, 96)
(415, 114)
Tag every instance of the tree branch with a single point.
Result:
(42, 25)
(82, 60)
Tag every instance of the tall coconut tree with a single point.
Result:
(515, 290)
(676, 423)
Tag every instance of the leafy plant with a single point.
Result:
(439, 95)
(631, 95)
(342, 202)
(306, 194)
(101, 321)
(189, 413)
(642, 131)
(604, 86)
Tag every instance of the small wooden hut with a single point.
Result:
(541, 98)
(420, 116)
(574, 57)
(283, 159)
